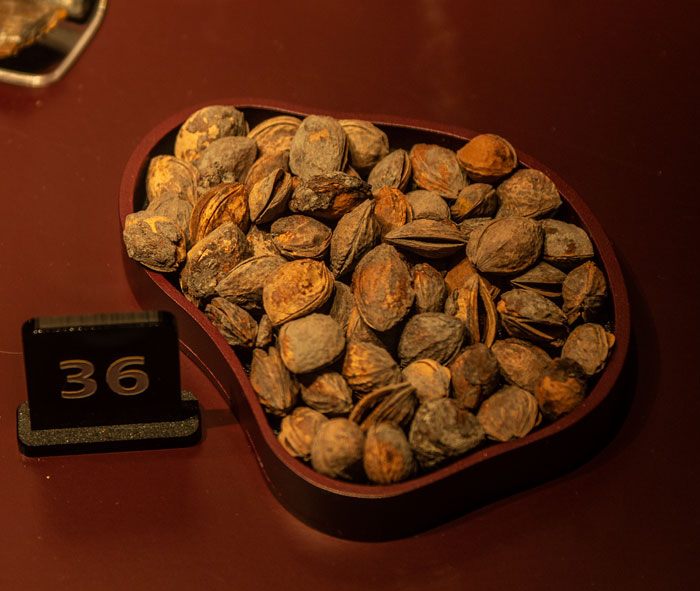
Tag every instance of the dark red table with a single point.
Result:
(604, 94)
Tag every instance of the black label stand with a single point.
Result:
(106, 382)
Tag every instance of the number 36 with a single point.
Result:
(115, 376)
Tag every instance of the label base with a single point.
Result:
(137, 436)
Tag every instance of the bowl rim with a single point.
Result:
(133, 173)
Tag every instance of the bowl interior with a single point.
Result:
(403, 134)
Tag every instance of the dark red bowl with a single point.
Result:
(363, 511)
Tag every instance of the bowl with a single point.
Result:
(377, 512)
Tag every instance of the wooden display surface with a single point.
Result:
(586, 90)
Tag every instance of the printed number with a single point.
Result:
(116, 374)
(82, 377)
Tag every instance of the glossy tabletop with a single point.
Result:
(604, 93)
